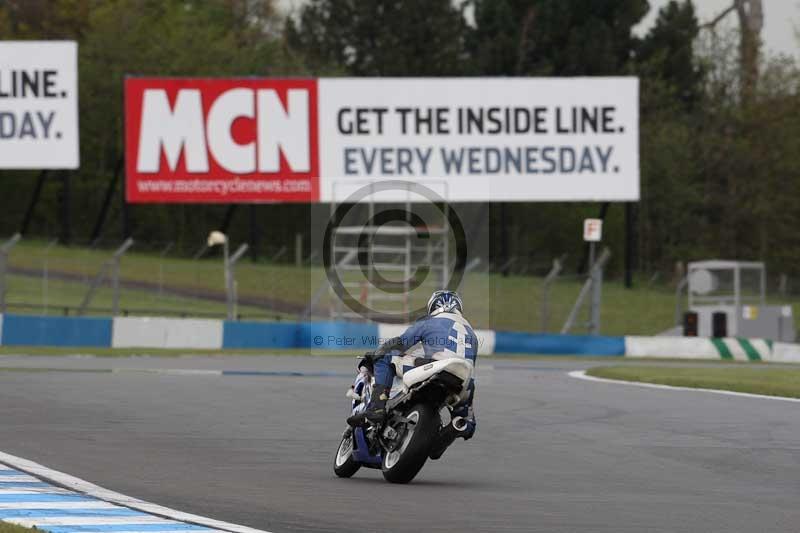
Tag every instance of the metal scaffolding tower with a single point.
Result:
(383, 265)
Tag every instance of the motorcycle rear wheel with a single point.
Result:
(404, 463)
(343, 463)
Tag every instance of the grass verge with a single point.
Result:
(754, 380)
(5, 527)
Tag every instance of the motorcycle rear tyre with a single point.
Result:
(414, 452)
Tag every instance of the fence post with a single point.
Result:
(5, 249)
(163, 254)
(113, 265)
(678, 293)
(298, 249)
(230, 281)
(544, 311)
(596, 274)
(115, 262)
(594, 283)
(46, 276)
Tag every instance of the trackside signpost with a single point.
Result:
(208, 140)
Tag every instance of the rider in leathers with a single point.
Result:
(443, 333)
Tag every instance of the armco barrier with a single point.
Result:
(23, 330)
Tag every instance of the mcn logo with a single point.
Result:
(221, 140)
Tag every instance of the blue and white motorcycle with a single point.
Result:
(419, 423)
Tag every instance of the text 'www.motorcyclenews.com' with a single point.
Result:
(223, 187)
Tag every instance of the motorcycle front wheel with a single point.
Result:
(343, 464)
(407, 459)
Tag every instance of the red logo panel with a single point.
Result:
(195, 140)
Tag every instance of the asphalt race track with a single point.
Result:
(552, 453)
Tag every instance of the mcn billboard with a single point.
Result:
(307, 140)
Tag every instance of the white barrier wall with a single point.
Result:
(736, 349)
(784, 352)
(672, 347)
(147, 332)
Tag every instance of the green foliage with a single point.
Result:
(13, 528)
(118, 38)
(667, 53)
(555, 37)
(381, 37)
(720, 176)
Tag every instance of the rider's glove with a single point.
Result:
(367, 361)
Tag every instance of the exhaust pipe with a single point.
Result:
(460, 423)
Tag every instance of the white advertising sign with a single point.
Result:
(321, 140)
(38, 104)
(482, 139)
(593, 230)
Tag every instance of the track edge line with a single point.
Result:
(581, 374)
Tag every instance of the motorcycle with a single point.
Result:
(419, 424)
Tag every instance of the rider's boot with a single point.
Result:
(375, 412)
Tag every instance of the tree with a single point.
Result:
(380, 37)
(136, 37)
(667, 51)
(555, 37)
(751, 21)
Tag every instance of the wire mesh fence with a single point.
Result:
(156, 279)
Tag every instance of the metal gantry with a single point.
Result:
(369, 258)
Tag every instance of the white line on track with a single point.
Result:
(581, 374)
(18, 479)
(66, 521)
(35, 490)
(58, 505)
(90, 489)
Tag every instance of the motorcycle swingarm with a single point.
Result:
(399, 400)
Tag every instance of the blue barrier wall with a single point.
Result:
(337, 336)
(259, 335)
(23, 330)
(311, 335)
(511, 342)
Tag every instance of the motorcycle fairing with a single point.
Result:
(361, 450)
(461, 368)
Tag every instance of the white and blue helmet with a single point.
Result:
(445, 302)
